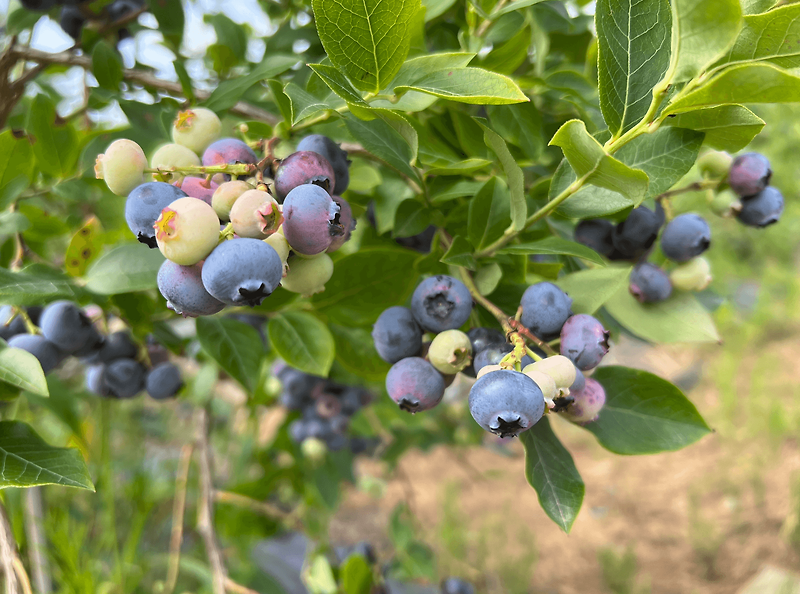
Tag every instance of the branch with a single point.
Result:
(261, 507)
(8, 555)
(205, 508)
(40, 569)
(178, 508)
(146, 79)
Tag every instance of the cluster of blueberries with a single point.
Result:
(112, 362)
(73, 16)
(515, 384)
(687, 236)
(277, 234)
(325, 408)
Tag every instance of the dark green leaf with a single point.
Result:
(383, 141)
(356, 352)
(644, 414)
(412, 217)
(169, 15)
(22, 370)
(727, 127)
(106, 66)
(16, 161)
(303, 103)
(13, 222)
(55, 142)
(126, 268)
(185, 80)
(338, 83)
(229, 92)
(520, 125)
(235, 346)
(35, 285)
(550, 470)
(229, 34)
(281, 99)
(554, 245)
(302, 341)
(516, 181)
(489, 213)
(460, 254)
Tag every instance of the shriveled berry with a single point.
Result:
(173, 155)
(649, 283)
(347, 222)
(441, 303)
(163, 381)
(144, 206)
(763, 209)
(450, 351)
(121, 166)
(65, 325)
(333, 154)
(182, 287)
(694, 275)
(226, 195)
(196, 128)
(545, 308)
(587, 403)
(749, 174)
(48, 354)
(255, 214)
(197, 187)
(397, 335)
(414, 384)
(506, 402)
(242, 271)
(584, 341)
(636, 234)
(187, 231)
(685, 237)
(311, 219)
(303, 167)
(124, 378)
(308, 276)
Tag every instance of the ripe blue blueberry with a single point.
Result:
(242, 271)
(506, 402)
(72, 20)
(118, 345)
(493, 354)
(763, 209)
(182, 287)
(66, 326)
(353, 399)
(580, 381)
(545, 308)
(454, 585)
(333, 154)
(441, 303)
(397, 335)
(649, 283)
(144, 206)
(12, 327)
(414, 384)
(311, 219)
(480, 338)
(749, 174)
(303, 167)
(163, 381)
(685, 237)
(584, 341)
(346, 220)
(636, 234)
(46, 352)
(95, 380)
(124, 378)
(596, 234)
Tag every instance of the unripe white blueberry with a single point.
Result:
(308, 275)
(694, 275)
(255, 214)
(559, 367)
(173, 155)
(545, 382)
(314, 449)
(450, 351)
(196, 128)
(121, 166)
(226, 195)
(281, 246)
(187, 231)
(487, 369)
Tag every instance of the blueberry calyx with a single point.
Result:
(506, 428)
(562, 403)
(148, 240)
(254, 297)
(408, 405)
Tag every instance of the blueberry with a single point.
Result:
(308, 275)
(580, 381)
(450, 352)
(333, 154)
(118, 345)
(196, 187)
(297, 431)
(546, 383)
(560, 368)
(414, 384)
(297, 387)
(196, 128)
(327, 406)
(421, 242)
(694, 275)
(763, 209)
(587, 403)
(749, 174)
(336, 442)
(506, 402)
(493, 354)
(596, 234)
(12, 328)
(455, 585)
(182, 287)
(397, 335)
(121, 166)
(226, 195)
(39, 5)
(346, 220)
(119, 9)
(163, 381)
(46, 352)
(144, 206)
(685, 237)
(715, 164)
(441, 303)
(545, 308)
(95, 380)
(228, 150)
(67, 327)
(124, 378)
(636, 234)
(255, 214)
(649, 283)
(303, 167)
(584, 341)
(187, 231)
(317, 428)
(72, 21)
(311, 220)
(480, 338)
(242, 271)
(353, 398)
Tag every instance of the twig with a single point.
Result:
(205, 508)
(694, 187)
(261, 507)
(40, 570)
(178, 508)
(146, 79)
(19, 569)
(236, 588)
(8, 552)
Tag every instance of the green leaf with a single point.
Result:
(229, 34)
(633, 38)
(13, 222)
(318, 575)
(368, 40)
(281, 99)
(417, 68)
(514, 176)
(338, 83)
(302, 341)
(229, 92)
(106, 66)
(35, 285)
(644, 414)
(435, 8)
(383, 141)
(511, 7)
(356, 575)
(468, 85)
(22, 370)
(770, 37)
(554, 245)
(550, 470)
(170, 19)
(702, 30)
(235, 346)
(412, 217)
(460, 254)
(16, 161)
(590, 162)
(184, 79)
(443, 190)
(55, 142)
(27, 461)
(489, 213)
(521, 125)
(757, 6)
(126, 268)
(590, 289)
(303, 103)
(746, 83)
(727, 127)
(365, 283)
(355, 351)
(681, 318)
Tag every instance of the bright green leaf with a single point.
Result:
(235, 346)
(22, 370)
(514, 176)
(338, 83)
(460, 254)
(35, 285)
(55, 142)
(555, 246)
(468, 85)
(727, 127)
(383, 141)
(126, 268)
(489, 213)
(303, 103)
(302, 341)
(416, 68)
(770, 37)
(590, 289)
(13, 222)
(229, 92)
(16, 161)
(356, 575)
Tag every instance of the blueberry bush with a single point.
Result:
(343, 218)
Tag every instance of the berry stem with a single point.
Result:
(231, 168)
(29, 325)
(533, 355)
